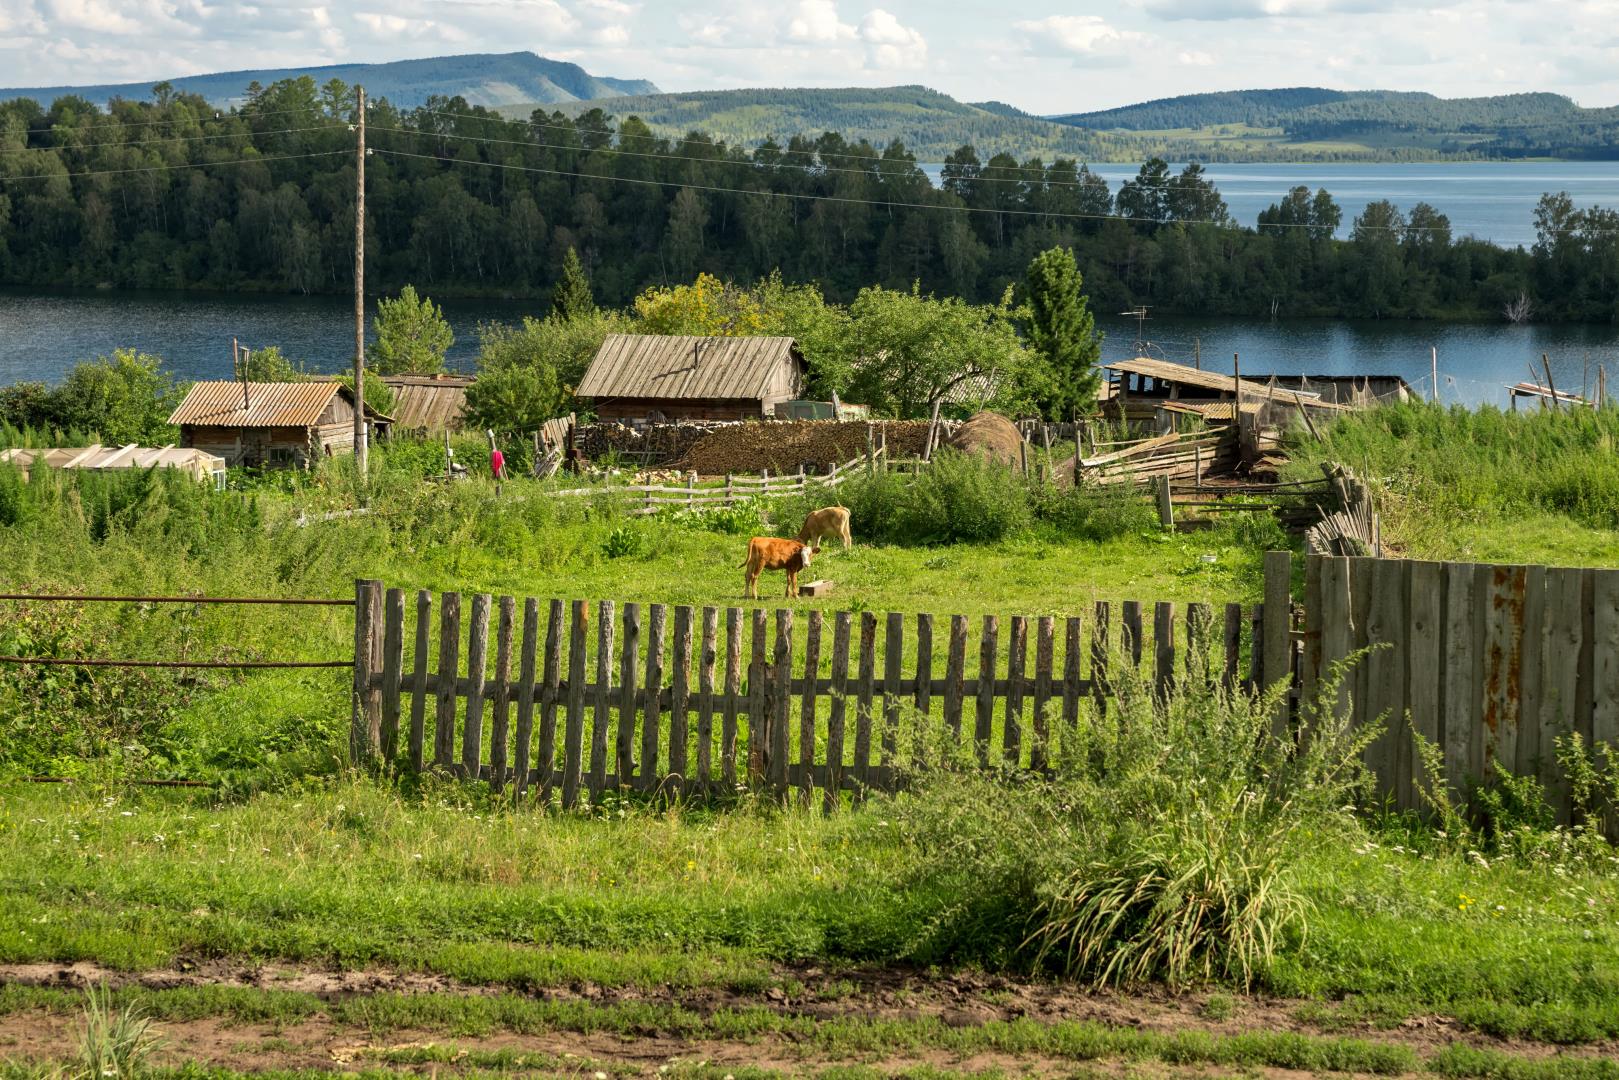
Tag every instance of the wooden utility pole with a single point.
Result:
(360, 456)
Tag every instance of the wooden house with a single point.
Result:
(647, 377)
(428, 404)
(272, 424)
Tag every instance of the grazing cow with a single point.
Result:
(769, 553)
(827, 521)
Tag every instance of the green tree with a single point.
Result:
(1145, 200)
(411, 335)
(572, 296)
(527, 373)
(1062, 334)
(267, 364)
(915, 349)
(123, 398)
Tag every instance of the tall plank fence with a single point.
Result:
(1489, 663)
(577, 699)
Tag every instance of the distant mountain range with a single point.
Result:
(489, 79)
(1302, 124)
(929, 123)
(1313, 118)
(1295, 124)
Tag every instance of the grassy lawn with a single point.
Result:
(758, 940)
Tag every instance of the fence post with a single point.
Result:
(1278, 641)
(1166, 508)
(365, 723)
(691, 489)
(728, 495)
(393, 665)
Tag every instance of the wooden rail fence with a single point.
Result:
(579, 699)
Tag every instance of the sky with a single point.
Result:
(1045, 57)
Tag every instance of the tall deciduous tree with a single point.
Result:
(411, 335)
(915, 349)
(1062, 333)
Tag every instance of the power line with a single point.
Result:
(169, 168)
(890, 204)
(875, 158)
(174, 139)
(217, 116)
(761, 165)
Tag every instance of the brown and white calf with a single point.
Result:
(770, 553)
(828, 521)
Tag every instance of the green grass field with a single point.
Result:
(302, 918)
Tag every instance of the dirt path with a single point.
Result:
(957, 1001)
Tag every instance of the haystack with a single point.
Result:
(989, 434)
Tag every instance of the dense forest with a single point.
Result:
(1505, 126)
(168, 193)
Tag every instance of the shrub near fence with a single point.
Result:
(675, 715)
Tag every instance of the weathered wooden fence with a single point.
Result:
(584, 698)
(1489, 663)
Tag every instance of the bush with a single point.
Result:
(1096, 513)
(1159, 848)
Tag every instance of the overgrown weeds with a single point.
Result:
(1157, 848)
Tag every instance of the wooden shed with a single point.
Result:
(274, 424)
(1135, 390)
(645, 376)
(428, 404)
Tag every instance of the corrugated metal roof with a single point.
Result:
(1170, 372)
(218, 403)
(429, 402)
(659, 366)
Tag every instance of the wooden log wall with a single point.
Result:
(572, 700)
(1492, 664)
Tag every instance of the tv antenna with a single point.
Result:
(1139, 314)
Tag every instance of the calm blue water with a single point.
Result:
(1492, 200)
(42, 334)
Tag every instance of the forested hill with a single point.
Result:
(929, 123)
(1257, 108)
(171, 193)
(1509, 125)
(480, 78)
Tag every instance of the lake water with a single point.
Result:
(1492, 200)
(42, 334)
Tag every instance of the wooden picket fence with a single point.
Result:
(1489, 663)
(672, 705)
(734, 489)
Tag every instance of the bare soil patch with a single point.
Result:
(956, 1000)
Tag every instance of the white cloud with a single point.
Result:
(1194, 58)
(1088, 38)
(1217, 10)
(817, 21)
(891, 44)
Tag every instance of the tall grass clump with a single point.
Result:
(114, 1043)
(967, 498)
(1440, 466)
(1160, 846)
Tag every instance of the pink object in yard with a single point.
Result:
(497, 464)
